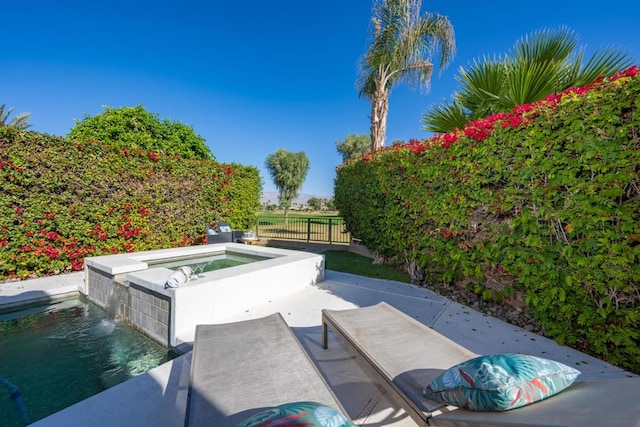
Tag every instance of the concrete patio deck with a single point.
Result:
(158, 398)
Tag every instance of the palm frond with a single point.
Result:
(445, 117)
(482, 85)
(437, 34)
(403, 41)
(604, 62)
(546, 45)
(570, 69)
(4, 115)
(545, 62)
(21, 121)
(530, 82)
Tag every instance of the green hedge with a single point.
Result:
(540, 206)
(63, 200)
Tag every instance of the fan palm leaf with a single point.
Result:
(546, 62)
(445, 117)
(482, 85)
(604, 62)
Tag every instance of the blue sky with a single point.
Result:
(254, 76)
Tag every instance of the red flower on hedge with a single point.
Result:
(448, 139)
(512, 121)
(99, 233)
(143, 211)
(478, 130)
(77, 264)
(51, 252)
(629, 72)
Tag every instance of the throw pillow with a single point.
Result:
(309, 414)
(500, 382)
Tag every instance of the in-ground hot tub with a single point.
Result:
(133, 286)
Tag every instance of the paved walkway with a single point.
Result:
(158, 398)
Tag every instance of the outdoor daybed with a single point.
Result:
(404, 355)
(243, 368)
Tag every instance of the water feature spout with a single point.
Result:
(16, 397)
(116, 297)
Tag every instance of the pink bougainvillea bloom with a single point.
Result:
(629, 72)
(51, 252)
(77, 264)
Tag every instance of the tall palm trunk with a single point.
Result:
(379, 111)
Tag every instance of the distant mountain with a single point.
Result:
(302, 199)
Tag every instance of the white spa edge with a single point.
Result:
(219, 294)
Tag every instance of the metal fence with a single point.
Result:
(328, 229)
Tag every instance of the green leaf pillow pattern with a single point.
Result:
(500, 382)
(308, 414)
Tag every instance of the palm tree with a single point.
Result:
(541, 64)
(21, 121)
(403, 42)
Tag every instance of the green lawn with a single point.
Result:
(304, 226)
(348, 262)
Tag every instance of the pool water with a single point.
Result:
(66, 352)
(203, 264)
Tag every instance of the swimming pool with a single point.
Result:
(60, 354)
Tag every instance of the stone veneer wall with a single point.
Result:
(140, 307)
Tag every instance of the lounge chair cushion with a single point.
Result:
(500, 382)
(309, 414)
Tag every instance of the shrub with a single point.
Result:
(135, 127)
(540, 204)
(64, 200)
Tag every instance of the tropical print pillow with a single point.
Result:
(308, 414)
(500, 382)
